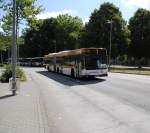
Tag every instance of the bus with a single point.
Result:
(33, 61)
(24, 62)
(83, 62)
(36, 61)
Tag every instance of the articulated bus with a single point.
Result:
(34, 61)
(84, 62)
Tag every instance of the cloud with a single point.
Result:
(137, 3)
(85, 20)
(54, 14)
(1, 30)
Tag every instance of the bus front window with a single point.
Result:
(93, 61)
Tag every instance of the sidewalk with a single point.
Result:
(122, 66)
(23, 113)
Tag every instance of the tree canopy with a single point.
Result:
(66, 32)
(61, 32)
(139, 26)
(26, 10)
(98, 29)
(4, 45)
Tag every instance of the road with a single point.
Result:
(119, 103)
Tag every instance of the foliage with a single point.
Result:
(7, 24)
(66, 32)
(7, 73)
(5, 42)
(97, 31)
(68, 29)
(62, 32)
(139, 26)
(25, 10)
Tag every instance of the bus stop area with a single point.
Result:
(21, 113)
(48, 102)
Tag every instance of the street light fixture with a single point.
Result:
(110, 40)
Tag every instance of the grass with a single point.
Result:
(138, 71)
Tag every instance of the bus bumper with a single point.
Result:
(97, 72)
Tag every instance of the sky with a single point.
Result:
(84, 8)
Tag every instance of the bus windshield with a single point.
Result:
(95, 61)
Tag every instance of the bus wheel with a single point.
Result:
(48, 69)
(91, 77)
(72, 73)
(57, 69)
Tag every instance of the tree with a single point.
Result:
(67, 32)
(39, 40)
(7, 24)
(32, 42)
(61, 33)
(139, 26)
(26, 10)
(4, 45)
(98, 30)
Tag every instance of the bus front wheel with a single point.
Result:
(57, 69)
(48, 68)
(72, 73)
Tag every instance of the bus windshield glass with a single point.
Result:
(95, 61)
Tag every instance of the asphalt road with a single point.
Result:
(119, 103)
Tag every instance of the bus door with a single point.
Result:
(78, 67)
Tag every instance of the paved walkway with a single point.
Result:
(23, 113)
(122, 66)
(53, 103)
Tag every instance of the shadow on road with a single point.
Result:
(66, 80)
(6, 96)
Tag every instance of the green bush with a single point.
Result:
(7, 73)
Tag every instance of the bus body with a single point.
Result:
(79, 62)
(34, 61)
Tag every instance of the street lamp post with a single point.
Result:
(55, 55)
(14, 50)
(110, 41)
(55, 47)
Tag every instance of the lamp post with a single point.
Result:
(39, 50)
(110, 41)
(55, 55)
(55, 45)
(14, 50)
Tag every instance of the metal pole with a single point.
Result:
(55, 56)
(55, 47)
(110, 43)
(17, 34)
(17, 43)
(14, 50)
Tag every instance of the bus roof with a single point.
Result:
(73, 52)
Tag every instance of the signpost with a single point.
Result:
(14, 51)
